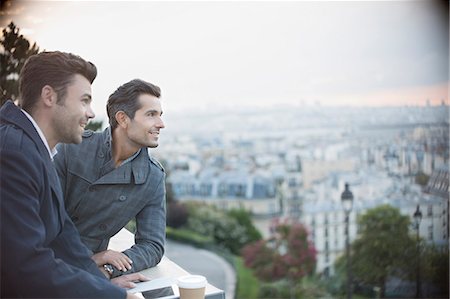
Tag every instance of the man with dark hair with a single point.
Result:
(110, 178)
(41, 251)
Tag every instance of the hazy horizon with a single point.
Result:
(226, 54)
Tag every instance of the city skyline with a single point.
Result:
(226, 54)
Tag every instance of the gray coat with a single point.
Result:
(102, 199)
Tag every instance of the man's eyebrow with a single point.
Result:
(154, 111)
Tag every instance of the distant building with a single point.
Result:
(294, 162)
(255, 192)
(438, 186)
(323, 213)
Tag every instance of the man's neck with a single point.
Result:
(42, 128)
(121, 149)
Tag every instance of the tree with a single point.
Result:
(15, 51)
(434, 266)
(94, 125)
(380, 249)
(287, 254)
(243, 217)
(422, 179)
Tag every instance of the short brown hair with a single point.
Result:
(56, 69)
(125, 99)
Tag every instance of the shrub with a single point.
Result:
(177, 214)
(223, 228)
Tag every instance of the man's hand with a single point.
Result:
(115, 258)
(128, 281)
(132, 296)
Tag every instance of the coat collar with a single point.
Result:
(11, 114)
(137, 169)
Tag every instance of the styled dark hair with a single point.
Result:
(56, 69)
(125, 99)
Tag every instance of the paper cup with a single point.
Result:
(192, 286)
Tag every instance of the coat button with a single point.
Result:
(100, 155)
(122, 198)
(102, 226)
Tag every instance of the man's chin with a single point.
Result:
(77, 139)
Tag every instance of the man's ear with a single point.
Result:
(122, 119)
(48, 95)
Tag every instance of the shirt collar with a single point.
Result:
(51, 152)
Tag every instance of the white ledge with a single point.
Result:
(165, 269)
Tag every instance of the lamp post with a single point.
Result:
(417, 219)
(347, 203)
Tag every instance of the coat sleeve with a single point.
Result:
(29, 266)
(150, 235)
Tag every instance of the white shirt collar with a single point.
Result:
(51, 152)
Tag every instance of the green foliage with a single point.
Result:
(379, 251)
(15, 51)
(188, 237)
(94, 125)
(278, 289)
(226, 231)
(336, 283)
(244, 219)
(435, 262)
(310, 287)
(131, 226)
(247, 284)
(422, 179)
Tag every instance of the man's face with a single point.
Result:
(73, 112)
(143, 130)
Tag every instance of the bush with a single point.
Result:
(244, 219)
(288, 253)
(218, 225)
(188, 237)
(177, 214)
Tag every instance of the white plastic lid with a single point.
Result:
(191, 281)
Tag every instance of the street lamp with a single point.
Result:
(417, 219)
(347, 203)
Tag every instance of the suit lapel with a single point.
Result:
(11, 114)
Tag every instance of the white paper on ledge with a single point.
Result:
(153, 284)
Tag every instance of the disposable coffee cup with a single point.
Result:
(192, 286)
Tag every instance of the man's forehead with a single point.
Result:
(148, 100)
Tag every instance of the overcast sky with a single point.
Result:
(225, 54)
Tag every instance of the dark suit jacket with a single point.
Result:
(41, 251)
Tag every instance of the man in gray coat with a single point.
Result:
(109, 179)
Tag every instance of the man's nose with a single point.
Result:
(161, 124)
(89, 112)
